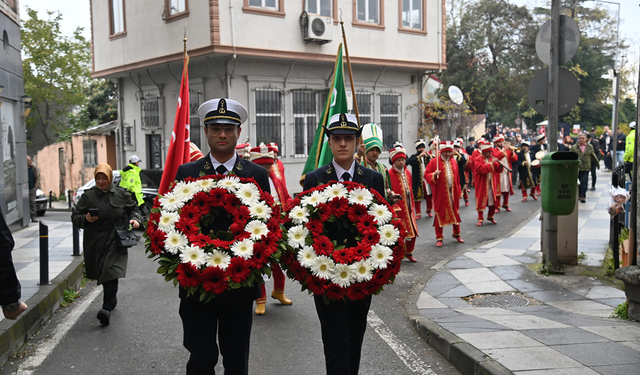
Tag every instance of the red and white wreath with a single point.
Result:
(211, 263)
(333, 270)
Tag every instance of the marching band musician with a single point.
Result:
(369, 151)
(399, 178)
(462, 159)
(444, 177)
(279, 170)
(485, 167)
(244, 150)
(541, 145)
(506, 186)
(525, 157)
(421, 190)
(265, 157)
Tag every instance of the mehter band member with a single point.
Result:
(484, 168)
(401, 184)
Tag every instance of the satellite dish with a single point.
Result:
(456, 94)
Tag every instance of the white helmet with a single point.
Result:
(632, 124)
(134, 159)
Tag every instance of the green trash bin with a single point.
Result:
(559, 182)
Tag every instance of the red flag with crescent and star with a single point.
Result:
(179, 149)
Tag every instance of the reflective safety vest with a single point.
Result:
(131, 181)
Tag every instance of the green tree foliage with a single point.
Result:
(101, 107)
(56, 73)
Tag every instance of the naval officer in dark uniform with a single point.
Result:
(343, 323)
(229, 314)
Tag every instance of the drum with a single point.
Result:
(535, 163)
(540, 154)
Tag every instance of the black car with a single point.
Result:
(41, 202)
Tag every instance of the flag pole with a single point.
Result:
(353, 90)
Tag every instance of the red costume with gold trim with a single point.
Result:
(507, 157)
(446, 194)
(401, 184)
(484, 171)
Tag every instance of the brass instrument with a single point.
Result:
(501, 163)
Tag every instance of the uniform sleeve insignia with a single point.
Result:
(207, 165)
(238, 166)
(329, 170)
(360, 171)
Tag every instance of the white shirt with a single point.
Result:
(340, 171)
(228, 164)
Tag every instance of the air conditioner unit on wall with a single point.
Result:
(318, 29)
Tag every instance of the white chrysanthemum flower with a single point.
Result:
(360, 196)
(363, 270)
(343, 275)
(248, 194)
(297, 236)
(335, 191)
(380, 256)
(218, 259)
(388, 234)
(206, 184)
(230, 183)
(185, 190)
(171, 202)
(260, 210)
(256, 229)
(176, 242)
(381, 213)
(323, 267)
(243, 249)
(299, 215)
(193, 255)
(314, 199)
(167, 221)
(307, 257)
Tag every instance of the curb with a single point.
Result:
(463, 356)
(15, 333)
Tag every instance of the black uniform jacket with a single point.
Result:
(362, 175)
(241, 168)
(9, 284)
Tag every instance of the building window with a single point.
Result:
(150, 112)
(412, 15)
(269, 116)
(116, 15)
(11, 3)
(154, 151)
(195, 127)
(390, 118)
(368, 11)
(320, 7)
(90, 153)
(364, 100)
(175, 9)
(305, 119)
(128, 136)
(264, 4)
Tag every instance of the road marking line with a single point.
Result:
(408, 356)
(35, 360)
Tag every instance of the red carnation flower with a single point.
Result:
(154, 217)
(217, 196)
(199, 239)
(324, 210)
(259, 258)
(335, 292)
(356, 212)
(316, 285)
(201, 202)
(186, 226)
(240, 213)
(315, 227)
(323, 245)
(232, 201)
(344, 256)
(361, 252)
(221, 243)
(371, 237)
(237, 227)
(366, 223)
(238, 270)
(339, 206)
(188, 275)
(214, 280)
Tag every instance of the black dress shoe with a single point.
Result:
(103, 317)
(593, 189)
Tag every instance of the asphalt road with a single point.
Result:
(145, 335)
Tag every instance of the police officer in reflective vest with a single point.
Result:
(131, 179)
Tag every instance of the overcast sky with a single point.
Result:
(75, 13)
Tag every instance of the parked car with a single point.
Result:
(41, 202)
(150, 179)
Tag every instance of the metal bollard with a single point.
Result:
(44, 254)
(76, 241)
(50, 198)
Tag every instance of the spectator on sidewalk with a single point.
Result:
(9, 284)
(622, 140)
(629, 150)
(606, 145)
(586, 155)
(34, 184)
(104, 260)
(595, 162)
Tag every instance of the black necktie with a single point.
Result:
(221, 169)
(346, 176)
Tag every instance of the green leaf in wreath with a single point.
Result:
(225, 236)
(308, 240)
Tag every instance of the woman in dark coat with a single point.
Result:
(104, 260)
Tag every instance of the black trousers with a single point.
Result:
(593, 174)
(110, 294)
(343, 325)
(231, 321)
(583, 177)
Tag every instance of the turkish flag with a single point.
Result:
(542, 131)
(179, 149)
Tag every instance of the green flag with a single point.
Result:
(320, 153)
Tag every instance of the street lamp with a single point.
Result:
(26, 101)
